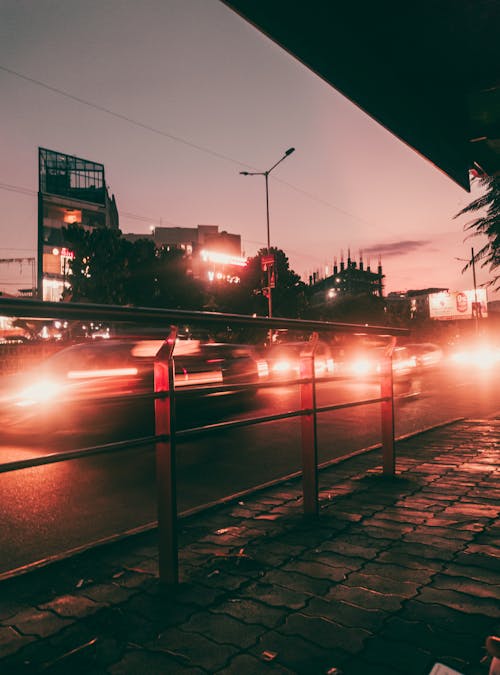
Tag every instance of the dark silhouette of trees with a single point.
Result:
(487, 224)
(109, 269)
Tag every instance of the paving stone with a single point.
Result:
(398, 557)
(38, 623)
(72, 606)
(424, 551)
(442, 646)
(475, 510)
(316, 571)
(387, 527)
(324, 555)
(397, 656)
(193, 649)
(222, 580)
(478, 560)
(159, 610)
(300, 656)
(107, 594)
(224, 629)
(464, 585)
(359, 666)
(275, 552)
(325, 633)
(245, 664)
(194, 594)
(11, 606)
(444, 619)
(11, 641)
(471, 572)
(122, 624)
(251, 611)
(142, 662)
(356, 546)
(345, 613)
(398, 572)
(373, 582)
(491, 551)
(365, 598)
(461, 602)
(297, 581)
(275, 596)
(442, 532)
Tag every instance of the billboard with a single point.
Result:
(458, 305)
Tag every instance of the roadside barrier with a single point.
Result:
(164, 394)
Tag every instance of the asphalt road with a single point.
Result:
(53, 509)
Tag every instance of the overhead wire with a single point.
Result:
(174, 137)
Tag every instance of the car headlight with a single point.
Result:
(41, 392)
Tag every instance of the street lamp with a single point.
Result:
(266, 176)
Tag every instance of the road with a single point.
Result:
(57, 508)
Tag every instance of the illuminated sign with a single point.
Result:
(458, 305)
(222, 258)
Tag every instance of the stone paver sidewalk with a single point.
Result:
(394, 576)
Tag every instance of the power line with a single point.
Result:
(173, 137)
(17, 188)
(120, 116)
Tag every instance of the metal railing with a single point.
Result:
(165, 431)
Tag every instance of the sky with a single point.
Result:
(175, 98)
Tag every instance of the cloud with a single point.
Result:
(396, 248)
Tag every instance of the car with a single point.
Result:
(283, 360)
(106, 385)
(367, 363)
(427, 354)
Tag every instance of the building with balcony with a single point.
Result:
(71, 190)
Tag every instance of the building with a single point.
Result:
(71, 190)
(348, 279)
(214, 256)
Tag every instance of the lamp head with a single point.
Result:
(289, 151)
(244, 173)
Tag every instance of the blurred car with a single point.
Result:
(367, 364)
(481, 355)
(87, 387)
(427, 354)
(283, 360)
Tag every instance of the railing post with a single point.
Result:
(387, 412)
(309, 432)
(165, 461)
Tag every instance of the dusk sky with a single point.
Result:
(175, 98)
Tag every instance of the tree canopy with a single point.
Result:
(486, 224)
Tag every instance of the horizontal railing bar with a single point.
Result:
(55, 457)
(353, 404)
(182, 434)
(66, 310)
(245, 422)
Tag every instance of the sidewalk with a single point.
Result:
(394, 576)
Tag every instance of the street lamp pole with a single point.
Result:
(266, 177)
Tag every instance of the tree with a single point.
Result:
(99, 267)
(487, 225)
(177, 289)
(288, 295)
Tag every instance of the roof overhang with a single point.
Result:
(427, 71)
